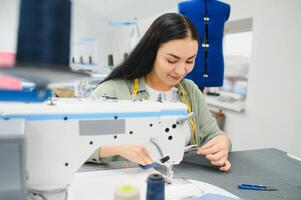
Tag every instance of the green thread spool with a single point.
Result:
(126, 192)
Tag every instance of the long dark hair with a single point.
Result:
(140, 62)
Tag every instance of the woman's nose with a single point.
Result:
(181, 69)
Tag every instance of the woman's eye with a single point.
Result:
(171, 62)
(189, 62)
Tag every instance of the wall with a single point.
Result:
(86, 25)
(114, 40)
(123, 35)
(272, 117)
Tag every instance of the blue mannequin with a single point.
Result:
(209, 17)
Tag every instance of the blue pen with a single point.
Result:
(256, 187)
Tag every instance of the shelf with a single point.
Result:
(237, 106)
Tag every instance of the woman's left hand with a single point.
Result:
(216, 150)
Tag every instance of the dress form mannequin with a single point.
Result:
(209, 17)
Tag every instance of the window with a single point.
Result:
(237, 53)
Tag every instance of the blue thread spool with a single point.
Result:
(155, 187)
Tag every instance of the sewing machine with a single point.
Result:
(61, 135)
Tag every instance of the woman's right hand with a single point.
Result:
(132, 152)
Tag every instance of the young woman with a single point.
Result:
(157, 66)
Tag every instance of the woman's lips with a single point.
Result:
(175, 77)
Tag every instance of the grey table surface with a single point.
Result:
(262, 166)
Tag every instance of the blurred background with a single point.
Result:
(260, 98)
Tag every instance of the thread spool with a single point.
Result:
(155, 187)
(126, 192)
(110, 60)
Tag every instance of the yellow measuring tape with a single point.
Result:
(136, 87)
(191, 121)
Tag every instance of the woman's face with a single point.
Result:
(174, 60)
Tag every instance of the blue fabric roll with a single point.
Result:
(44, 33)
(155, 187)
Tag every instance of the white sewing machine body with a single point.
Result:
(61, 137)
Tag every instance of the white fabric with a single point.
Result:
(154, 94)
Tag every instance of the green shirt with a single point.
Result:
(206, 126)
